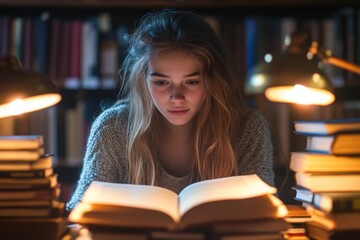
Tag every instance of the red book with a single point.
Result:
(73, 81)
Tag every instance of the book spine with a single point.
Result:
(23, 174)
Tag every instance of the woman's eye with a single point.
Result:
(160, 82)
(193, 82)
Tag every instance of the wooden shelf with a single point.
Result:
(178, 3)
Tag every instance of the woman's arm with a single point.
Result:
(254, 150)
(104, 158)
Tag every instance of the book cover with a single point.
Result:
(21, 142)
(329, 126)
(234, 198)
(302, 194)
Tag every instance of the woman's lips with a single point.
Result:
(178, 112)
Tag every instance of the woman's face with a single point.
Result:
(175, 83)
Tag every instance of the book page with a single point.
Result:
(130, 195)
(237, 187)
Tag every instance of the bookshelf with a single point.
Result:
(250, 29)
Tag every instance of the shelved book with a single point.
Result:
(225, 199)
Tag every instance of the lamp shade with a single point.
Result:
(292, 77)
(24, 90)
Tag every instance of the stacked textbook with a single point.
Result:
(29, 190)
(327, 177)
(238, 207)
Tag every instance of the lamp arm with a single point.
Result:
(326, 56)
(343, 64)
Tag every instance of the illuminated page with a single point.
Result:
(130, 195)
(236, 187)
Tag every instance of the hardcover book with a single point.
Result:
(324, 182)
(44, 162)
(21, 142)
(341, 143)
(329, 126)
(322, 162)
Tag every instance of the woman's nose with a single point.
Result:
(177, 93)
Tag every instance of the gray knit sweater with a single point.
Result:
(105, 156)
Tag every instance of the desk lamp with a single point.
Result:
(296, 75)
(24, 91)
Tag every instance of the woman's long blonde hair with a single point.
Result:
(218, 117)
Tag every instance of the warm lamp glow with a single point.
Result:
(300, 94)
(30, 104)
(296, 75)
(24, 91)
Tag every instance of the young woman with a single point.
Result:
(180, 119)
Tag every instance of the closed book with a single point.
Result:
(316, 231)
(302, 194)
(21, 142)
(28, 183)
(329, 126)
(322, 162)
(337, 201)
(22, 155)
(55, 210)
(224, 199)
(38, 194)
(342, 143)
(25, 203)
(44, 162)
(335, 221)
(37, 173)
(322, 182)
(39, 228)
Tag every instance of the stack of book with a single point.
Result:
(239, 207)
(29, 190)
(327, 177)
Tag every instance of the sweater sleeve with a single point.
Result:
(104, 158)
(254, 148)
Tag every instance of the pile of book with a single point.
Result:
(327, 177)
(29, 190)
(239, 207)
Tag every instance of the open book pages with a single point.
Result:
(231, 198)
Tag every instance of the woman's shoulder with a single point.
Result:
(253, 118)
(113, 117)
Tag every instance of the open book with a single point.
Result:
(225, 199)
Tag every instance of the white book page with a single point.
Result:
(237, 187)
(130, 195)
